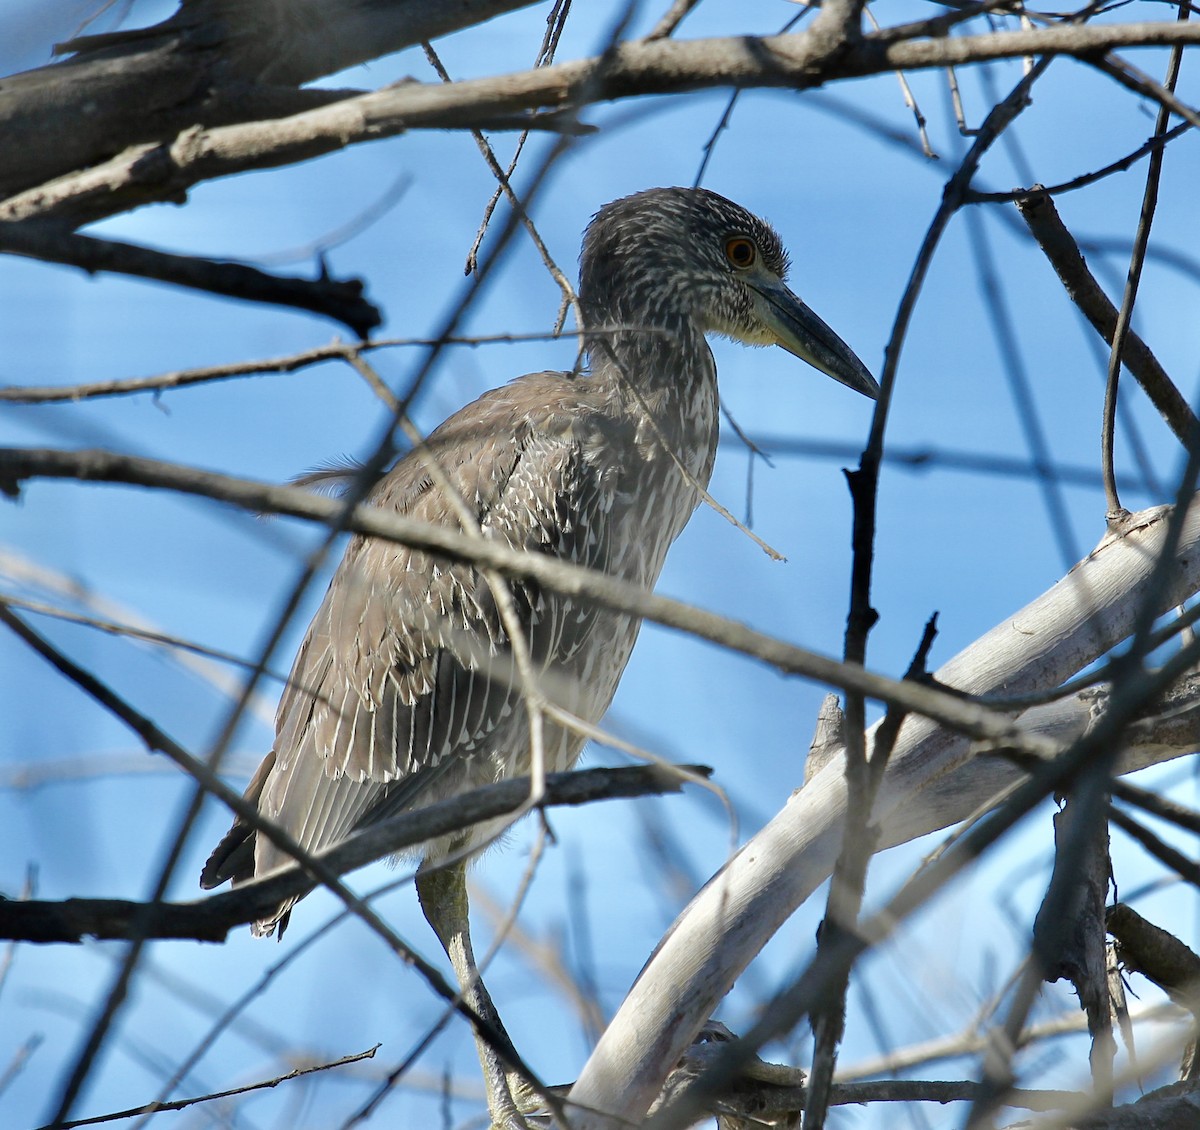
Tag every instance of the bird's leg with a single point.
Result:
(443, 895)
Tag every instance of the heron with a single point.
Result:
(404, 690)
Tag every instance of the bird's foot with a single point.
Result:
(506, 1115)
(523, 1108)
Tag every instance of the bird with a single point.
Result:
(404, 690)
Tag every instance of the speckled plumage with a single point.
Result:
(403, 690)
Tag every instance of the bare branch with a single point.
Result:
(165, 171)
(1137, 260)
(181, 1104)
(210, 62)
(341, 301)
(210, 919)
(951, 710)
(208, 781)
(182, 378)
(1157, 955)
(1046, 226)
(933, 779)
(972, 1040)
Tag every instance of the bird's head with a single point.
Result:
(671, 254)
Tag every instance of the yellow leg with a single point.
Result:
(443, 895)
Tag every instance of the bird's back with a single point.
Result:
(404, 689)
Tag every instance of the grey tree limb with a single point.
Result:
(935, 778)
(170, 164)
(341, 300)
(213, 61)
(980, 722)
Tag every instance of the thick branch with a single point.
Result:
(212, 62)
(665, 66)
(1164, 959)
(934, 779)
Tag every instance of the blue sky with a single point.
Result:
(852, 205)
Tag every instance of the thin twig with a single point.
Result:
(334, 351)
(1121, 165)
(847, 887)
(556, 21)
(971, 1041)
(1136, 262)
(910, 99)
(181, 1104)
(709, 147)
(569, 298)
(671, 19)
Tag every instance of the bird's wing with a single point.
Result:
(406, 662)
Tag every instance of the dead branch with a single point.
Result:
(342, 301)
(181, 1104)
(952, 710)
(972, 1040)
(289, 363)
(166, 168)
(1056, 242)
(210, 62)
(934, 779)
(210, 919)
(1157, 955)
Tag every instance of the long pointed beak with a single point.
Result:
(798, 330)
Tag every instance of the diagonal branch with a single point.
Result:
(1057, 244)
(952, 710)
(210, 919)
(934, 779)
(182, 1104)
(52, 243)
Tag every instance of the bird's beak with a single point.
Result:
(798, 330)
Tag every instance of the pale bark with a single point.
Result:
(935, 778)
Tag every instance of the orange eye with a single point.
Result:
(741, 252)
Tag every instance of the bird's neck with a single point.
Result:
(667, 374)
(666, 384)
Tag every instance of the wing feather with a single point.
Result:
(406, 663)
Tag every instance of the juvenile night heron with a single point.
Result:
(404, 690)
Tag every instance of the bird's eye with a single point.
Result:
(741, 252)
